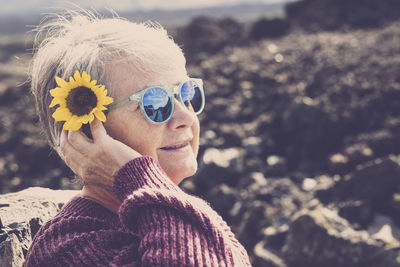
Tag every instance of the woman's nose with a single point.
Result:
(182, 116)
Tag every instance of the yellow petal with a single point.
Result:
(72, 124)
(78, 79)
(91, 117)
(98, 95)
(84, 119)
(58, 92)
(104, 100)
(64, 105)
(61, 82)
(72, 83)
(57, 101)
(96, 89)
(61, 114)
(93, 83)
(77, 75)
(107, 100)
(86, 77)
(100, 115)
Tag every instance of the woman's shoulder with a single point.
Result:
(81, 215)
(81, 224)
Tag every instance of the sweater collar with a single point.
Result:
(86, 207)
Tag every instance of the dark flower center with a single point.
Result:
(81, 100)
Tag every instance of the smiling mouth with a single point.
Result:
(175, 147)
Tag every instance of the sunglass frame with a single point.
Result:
(172, 91)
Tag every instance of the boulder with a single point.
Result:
(375, 181)
(21, 215)
(206, 35)
(265, 211)
(335, 14)
(269, 28)
(219, 166)
(319, 237)
(266, 258)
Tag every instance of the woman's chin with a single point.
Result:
(177, 172)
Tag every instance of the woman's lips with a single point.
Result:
(176, 146)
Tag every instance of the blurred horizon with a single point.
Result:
(19, 17)
(21, 7)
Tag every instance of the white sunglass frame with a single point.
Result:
(172, 92)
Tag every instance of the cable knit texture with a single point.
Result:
(158, 224)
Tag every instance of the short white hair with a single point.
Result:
(86, 42)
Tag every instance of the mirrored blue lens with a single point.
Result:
(191, 95)
(157, 105)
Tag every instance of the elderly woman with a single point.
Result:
(130, 211)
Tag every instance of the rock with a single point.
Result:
(253, 145)
(272, 28)
(319, 183)
(219, 166)
(305, 126)
(375, 181)
(11, 251)
(269, 204)
(206, 35)
(276, 165)
(385, 229)
(359, 213)
(265, 258)
(319, 237)
(338, 163)
(223, 198)
(21, 215)
(358, 153)
(380, 141)
(336, 14)
(393, 207)
(254, 214)
(274, 238)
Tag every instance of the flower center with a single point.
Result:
(81, 100)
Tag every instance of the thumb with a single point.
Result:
(97, 129)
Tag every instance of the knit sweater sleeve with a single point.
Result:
(175, 228)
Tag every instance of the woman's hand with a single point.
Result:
(96, 160)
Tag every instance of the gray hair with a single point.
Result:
(83, 41)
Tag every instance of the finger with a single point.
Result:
(97, 129)
(70, 155)
(63, 141)
(79, 140)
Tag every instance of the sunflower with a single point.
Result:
(79, 100)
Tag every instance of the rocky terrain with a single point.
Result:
(300, 147)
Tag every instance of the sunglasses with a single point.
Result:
(157, 103)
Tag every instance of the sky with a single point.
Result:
(14, 7)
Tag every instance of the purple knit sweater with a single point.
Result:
(157, 225)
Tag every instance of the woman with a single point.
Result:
(130, 211)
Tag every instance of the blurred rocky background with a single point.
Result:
(300, 138)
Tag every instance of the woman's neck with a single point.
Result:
(102, 196)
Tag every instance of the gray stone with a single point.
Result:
(376, 181)
(223, 198)
(223, 165)
(266, 258)
(21, 215)
(319, 237)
